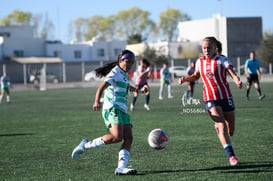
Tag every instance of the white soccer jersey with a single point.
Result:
(117, 93)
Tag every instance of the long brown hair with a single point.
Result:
(104, 70)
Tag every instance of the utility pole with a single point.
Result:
(220, 6)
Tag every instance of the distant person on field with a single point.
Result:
(253, 74)
(165, 80)
(212, 68)
(189, 92)
(5, 86)
(143, 74)
(114, 110)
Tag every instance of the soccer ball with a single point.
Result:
(158, 139)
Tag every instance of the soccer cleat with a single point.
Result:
(146, 106)
(79, 149)
(132, 107)
(170, 97)
(233, 160)
(125, 171)
(160, 98)
(261, 97)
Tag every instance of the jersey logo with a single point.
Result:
(209, 75)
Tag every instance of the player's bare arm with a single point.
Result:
(96, 105)
(235, 78)
(191, 78)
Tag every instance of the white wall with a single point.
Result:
(109, 49)
(89, 51)
(21, 38)
(196, 30)
(67, 51)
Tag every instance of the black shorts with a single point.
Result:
(226, 104)
(191, 83)
(252, 78)
(139, 87)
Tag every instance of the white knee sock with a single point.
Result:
(161, 90)
(169, 90)
(123, 159)
(8, 98)
(95, 143)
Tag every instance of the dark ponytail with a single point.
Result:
(104, 70)
(146, 62)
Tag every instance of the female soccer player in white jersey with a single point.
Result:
(213, 69)
(114, 111)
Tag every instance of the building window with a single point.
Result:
(100, 52)
(57, 53)
(180, 50)
(18, 53)
(77, 54)
(117, 51)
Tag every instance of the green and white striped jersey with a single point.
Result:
(4, 81)
(116, 95)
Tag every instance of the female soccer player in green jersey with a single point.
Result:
(117, 120)
(5, 84)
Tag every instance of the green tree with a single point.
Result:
(24, 18)
(133, 22)
(35, 21)
(47, 29)
(93, 27)
(265, 51)
(17, 17)
(80, 27)
(135, 38)
(169, 20)
(107, 27)
(154, 56)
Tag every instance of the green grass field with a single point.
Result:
(39, 130)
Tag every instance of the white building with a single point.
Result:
(94, 50)
(19, 41)
(239, 35)
(22, 43)
(176, 50)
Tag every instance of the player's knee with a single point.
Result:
(220, 128)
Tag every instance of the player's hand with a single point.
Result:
(96, 106)
(132, 89)
(181, 80)
(240, 84)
